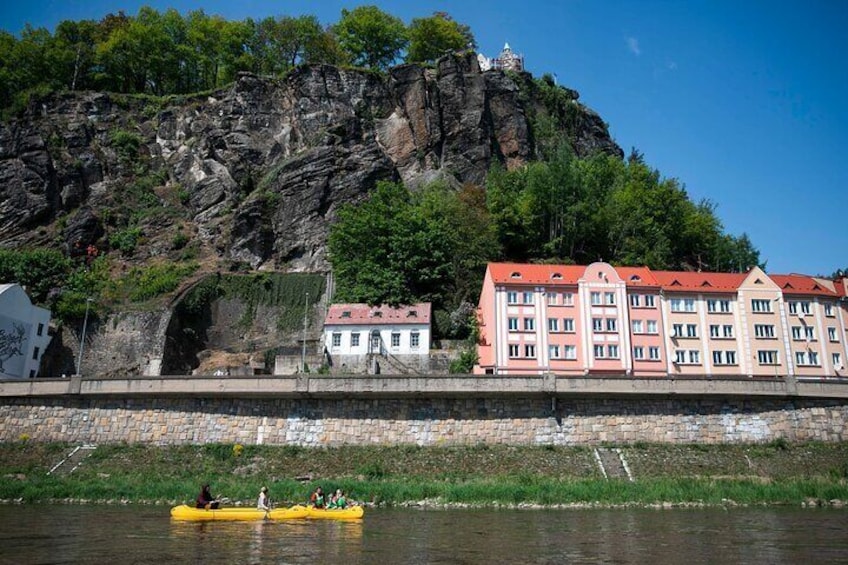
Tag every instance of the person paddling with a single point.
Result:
(317, 498)
(206, 500)
(263, 503)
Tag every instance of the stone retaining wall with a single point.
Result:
(422, 421)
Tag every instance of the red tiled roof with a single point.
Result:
(637, 276)
(535, 274)
(361, 314)
(801, 284)
(689, 281)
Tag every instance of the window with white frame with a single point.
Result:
(567, 299)
(691, 330)
(609, 298)
(793, 307)
(529, 324)
(638, 352)
(570, 351)
(553, 324)
(611, 326)
(568, 325)
(727, 331)
(828, 310)
(354, 339)
(634, 300)
(712, 305)
(513, 350)
(530, 351)
(337, 339)
(512, 297)
(653, 353)
(763, 331)
(718, 306)
(395, 339)
(612, 351)
(598, 350)
(512, 324)
(831, 333)
(553, 351)
(652, 326)
(682, 304)
(595, 298)
(807, 358)
(694, 357)
(760, 305)
(598, 324)
(677, 330)
(715, 331)
(809, 333)
(724, 357)
(414, 339)
(837, 361)
(687, 357)
(528, 297)
(649, 301)
(637, 326)
(767, 357)
(796, 332)
(552, 298)
(805, 307)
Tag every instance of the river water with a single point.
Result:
(125, 535)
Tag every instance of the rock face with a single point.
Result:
(258, 171)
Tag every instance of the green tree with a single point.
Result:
(371, 37)
(430, 38)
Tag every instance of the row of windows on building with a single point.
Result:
(681, 356)
(414, 339)
(714, 306)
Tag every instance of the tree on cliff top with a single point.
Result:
(371, 37)
(430, 38)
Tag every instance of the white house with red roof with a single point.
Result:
(359, 337)
(23, 333)
(599, 319)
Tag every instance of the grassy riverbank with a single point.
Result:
(776, 473)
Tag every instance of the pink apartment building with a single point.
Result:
(598, 319)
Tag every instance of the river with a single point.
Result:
(125, 535)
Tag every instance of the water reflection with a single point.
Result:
(67, 534)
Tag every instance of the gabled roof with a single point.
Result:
(687, 281)
(383, 315)
(637, 276)
(524, 273)
(801, 285)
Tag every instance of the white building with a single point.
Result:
(359, 337)
(23, 333)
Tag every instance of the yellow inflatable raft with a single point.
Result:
(229, 514)
(349, 513)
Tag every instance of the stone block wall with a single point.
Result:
(421, 421)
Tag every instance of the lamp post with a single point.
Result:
(303, 349)
(88, 302)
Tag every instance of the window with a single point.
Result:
(727, 331)
(395, 339)
(837, 361)
(634, 300)
(567, 299)
(571, 352)
(714, 331)
(529, 324)
(609, 298)
(612, 350)
(682, 304)
(722, 306)
(767, 357)
(793, 307)
(828, 311)
(652, 326)
(691, 330)
(763, 331)
(530, 351)
(712, 305)
(595, 298)
(552, 298)
(677, 330)
(611, 324)
(512, 297)
(724, 357)
(809, 333)
(680, 357)
(758, 305)
(649, 301)
(598, 324)
(599, 351)
(687, 357)
(796, 333)
(637, 326)
(638, 352)
(337, 339)
(730, 356)
(808, 358)
(35, 353)
(553, 324)
(513, 324)
(653, 353)
(805, 307)
(528, 298)
(354, 339)
(414, 339)
(831, 333)
(568, 324)
(40, 329)
(694, 356)
(513, 350)
(553, 351)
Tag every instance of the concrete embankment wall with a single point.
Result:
(424, 411)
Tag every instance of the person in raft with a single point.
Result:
(339, 500)
(263, 503)
(206, 500)
(317, 498)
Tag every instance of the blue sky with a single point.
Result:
(745, 102)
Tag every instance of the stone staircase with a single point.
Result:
(73, 460)
(612, 463)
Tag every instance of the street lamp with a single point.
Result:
(303, 349)
(88, 302)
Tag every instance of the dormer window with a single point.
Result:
(635, 278)
(556, 276)
(515, 275)
(412, 314)
(346, 314)
(378, 314)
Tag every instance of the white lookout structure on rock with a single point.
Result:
(507, 60)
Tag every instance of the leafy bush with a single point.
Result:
(150, 282)
(126, 144)
(125, 240)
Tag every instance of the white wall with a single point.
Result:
(21, 356)
(364, 331)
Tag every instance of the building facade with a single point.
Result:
(599, 319)
(23, 333)
(358, 337)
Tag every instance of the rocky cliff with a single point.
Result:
(255, 173)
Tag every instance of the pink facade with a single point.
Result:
(599, 319)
